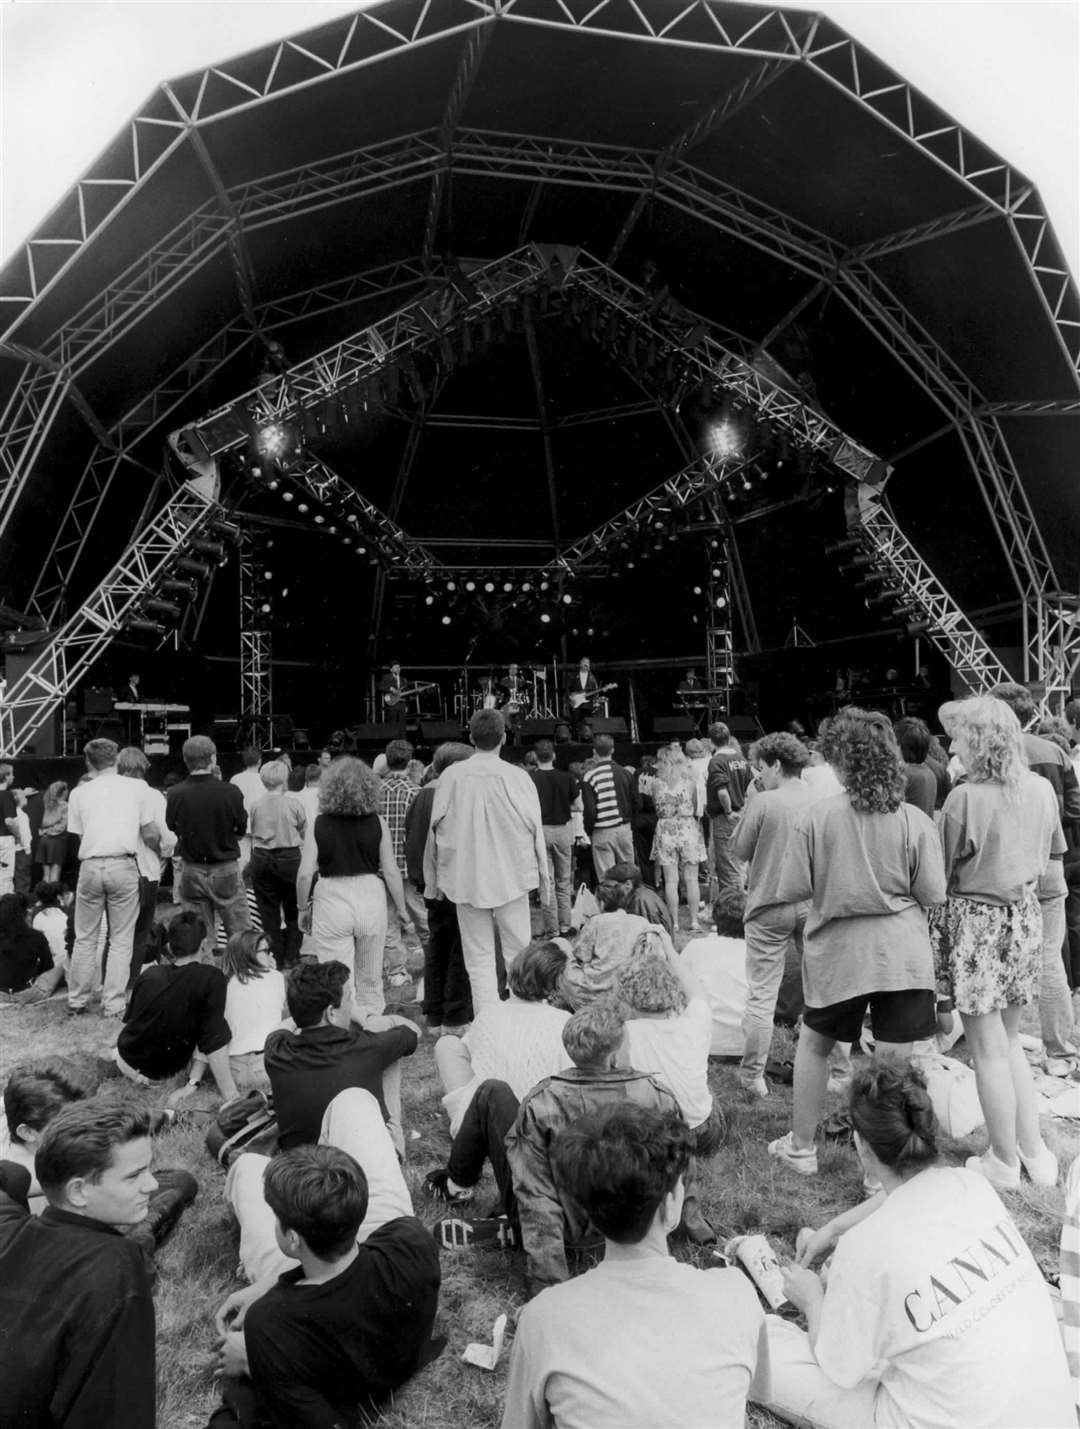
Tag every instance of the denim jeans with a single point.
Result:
(212, 888)
(559, 844)
(108, 886)
(482, 1136)
(729, 871)
(770, 937)
(1055, 1002)
(273, 880)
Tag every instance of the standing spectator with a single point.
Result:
(999, 830)
(52, 841)
(678, 847)
(395, 797)
(605, 791)
(110, 815)
(24, 843)
(349, 902)
(730, 776)
(921, 788)
(76, 1314)
(1052, 763)
(643, 816)
(447, 997)
(277, 823)
(773, 930)
(248, 781)
(871, 865)
(209, 819)
(133, 764)
(557, 789)
(486, 853)
(9, 829)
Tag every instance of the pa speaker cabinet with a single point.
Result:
(43, 744)
(672, 724)
(608, 726)
(367, 733)
(538, 728)
(744, 728)
(434, 731)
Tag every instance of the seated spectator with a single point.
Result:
(640, 1340)
(254, 1007)
(34, 1093)
(518, 1041)
(76, 1313)
(935, 1311)
(599, 951)
(329, 1052)
(176, 1007)
(718, 963)
(668, 1033)
(331, 1340)
(53, 918)
(622, 887)
(278, 822)
(24, 954)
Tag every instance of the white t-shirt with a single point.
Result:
(517, 1042)
(107, 813)
(676, 1049)
(53, 923)
(719, 964)
(639, 1344)
(253, 1010)
(822, 780)
(938, 1297)
(251, 786)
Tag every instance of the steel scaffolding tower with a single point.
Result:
(256, 665)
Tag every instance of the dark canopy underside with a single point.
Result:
(785, 184)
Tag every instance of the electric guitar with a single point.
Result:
(585, 697)
(392, 698)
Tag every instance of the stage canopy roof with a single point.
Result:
(755, 166)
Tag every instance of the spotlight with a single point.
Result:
(489, 586)
(451, 585)
(287, 496)
(568, 600)
(192, 567)
(284, 592)
(273, 484)
(721, 602)
(361, 550)
(697, 590)
(545, 618)
(508, 585)
(446, 620)
(526, 586)
(470, 585)
(346, 540)
(590, 632)
(275, 440)
(265, 608)
(725, 439)
(544, 585)
(303, 508)
(320, 519)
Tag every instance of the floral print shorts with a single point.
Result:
(987, 956)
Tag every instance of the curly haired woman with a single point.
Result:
(870, 865)
(349, 905)
(677, 843)
(998, 831)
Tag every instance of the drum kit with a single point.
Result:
(520, 696)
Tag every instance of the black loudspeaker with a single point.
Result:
(744, 728)
(44, 743)
(672, 724)
(538, 728)
(364, 733)
(608, 726)
(97, 702)
(435, 731)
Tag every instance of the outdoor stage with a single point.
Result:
(470, 332)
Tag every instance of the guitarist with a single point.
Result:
(581, 691)
(390, 689)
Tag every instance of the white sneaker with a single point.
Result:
(998, 1173)
(1042, 1168)
(804, 1162)
(759, 1087)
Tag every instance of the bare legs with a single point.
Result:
(693, 894)
(1003, 1079)
(671, 890)
(811, 1078)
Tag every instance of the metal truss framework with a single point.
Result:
(57, 670)
(256, 666)
(368, 39)
(896, 558)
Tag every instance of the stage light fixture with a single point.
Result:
(544, 585)
(489, 586)
(284, 592)
(726, 440)
(275, 440)
(320, 519)
(303, 508)
(568, 600)
(446, 620)
(361, 549)
(721, 602)
(545, 618)
(287, 496)
(590, 632)
(346, 540)
(193, 567)
(429, 600)
(526, 586)
(470, 585)
(451, 585)
(265, 608)
(508, 585)
(273, 484)
(697, 590)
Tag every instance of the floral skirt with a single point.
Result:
(678, 840)
(987, 956)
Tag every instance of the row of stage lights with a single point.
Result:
(178, 588)
(880, 595)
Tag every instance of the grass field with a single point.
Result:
(743, 1189)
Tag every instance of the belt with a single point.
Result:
(92, 857)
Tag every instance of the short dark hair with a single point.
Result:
(447, 754)
(892, 1112)
(719, 732)
(913, 737)
(622, 873)
(199, 752)
(186, 934)
(48, 893)
(604, 745)
(251, 756)
(619, 1165)
(398, 753)
(80, 1140)
(1018, 697)
(132, 762)
(729, 913)
(320, 1193)
(544, 750)
(784, 749)
(486, 729)
(36, 1091)
(313, 987)
(100, 753)
(534, 974)
(593, 1033)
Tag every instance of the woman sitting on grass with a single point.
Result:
(254, 1007)
(935, 1312)
(24, 954)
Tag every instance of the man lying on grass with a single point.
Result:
(641, 1340)
(324, 1346)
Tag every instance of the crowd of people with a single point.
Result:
(881, 885)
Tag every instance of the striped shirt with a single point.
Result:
(601, 781)
(398, 792)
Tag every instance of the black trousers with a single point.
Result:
(273, 881)
(482, 1137)
(447, 992)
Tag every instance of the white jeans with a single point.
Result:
(803, 1394)
(348, 924)
(352, 1123)
(478, 927)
